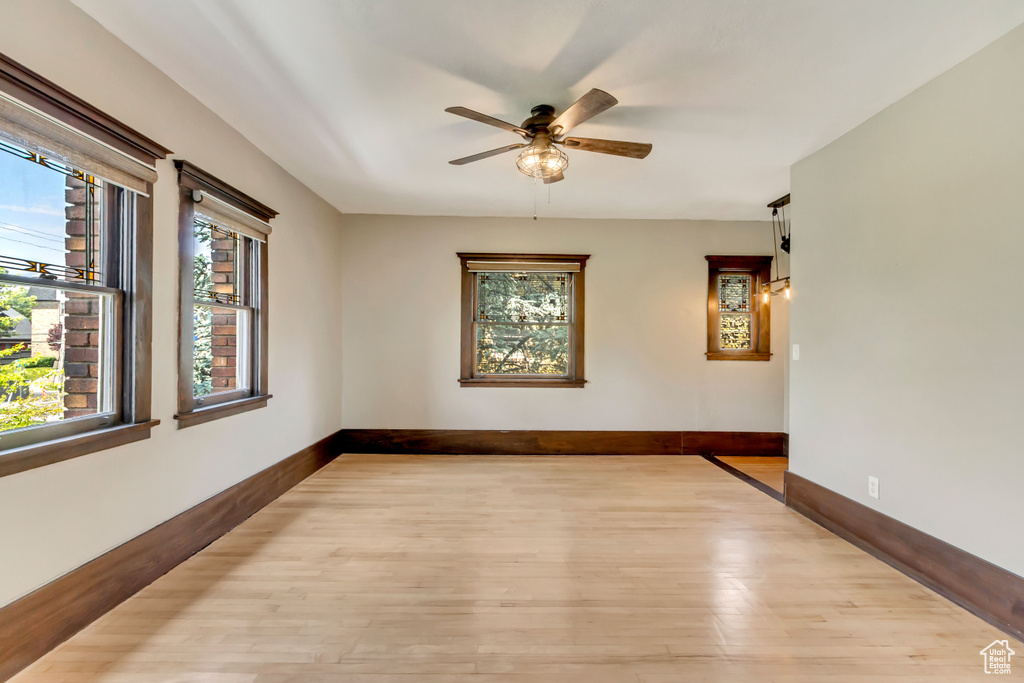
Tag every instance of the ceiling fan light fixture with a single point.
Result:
(541, 159)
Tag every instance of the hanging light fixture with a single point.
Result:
(780, 238)
(541, 159)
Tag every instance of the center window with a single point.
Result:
(223, 359)
(522, 320)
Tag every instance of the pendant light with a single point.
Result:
(780, 237)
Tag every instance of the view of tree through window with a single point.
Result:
(522, 324)
(202, 360)
(215, 280)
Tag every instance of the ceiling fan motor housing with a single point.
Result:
(543, 115)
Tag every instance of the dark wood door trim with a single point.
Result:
(987, 591)
(746, 478)
(35, 624)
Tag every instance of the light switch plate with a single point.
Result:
(796, 352)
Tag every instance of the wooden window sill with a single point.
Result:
(219, 410)
(738, 356)
(488, 382)
(37, 455)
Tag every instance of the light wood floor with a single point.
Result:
(526, 569)
(770, 471)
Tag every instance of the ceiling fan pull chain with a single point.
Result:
(534, 199)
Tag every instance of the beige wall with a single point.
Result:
(646, 315)
(909, 237)
(60, 516)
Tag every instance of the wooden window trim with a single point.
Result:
(759, 268)
(575, 378)
(38, 455)
(48, 97)
(195, 178)
(209, 413)
(192, 179)
(136, 264)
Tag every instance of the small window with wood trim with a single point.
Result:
(522, 320)
(223, 345)
(739, 326)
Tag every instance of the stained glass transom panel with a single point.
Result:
(735, 331)
(50, 218)
(734, 292)
(215, 270)
(523, 297)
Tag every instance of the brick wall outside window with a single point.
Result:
(224, 346)
(81, 322)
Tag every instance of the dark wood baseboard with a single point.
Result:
(985, 590)
(735, 443)
(552, 442)
(35, 624)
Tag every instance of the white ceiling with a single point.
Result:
(349, 95)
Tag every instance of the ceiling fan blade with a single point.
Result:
(484, 155)
(554, 179)
(634, 150)
(489, 120)
(586, 107)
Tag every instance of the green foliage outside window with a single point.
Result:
(40, 362)
(522, 323)
(30, 395)
(202, 318)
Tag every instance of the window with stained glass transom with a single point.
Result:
(223, 358)
(75, 275)
(524, 321)
(738, 322)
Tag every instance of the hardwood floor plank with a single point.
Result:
(488, 568)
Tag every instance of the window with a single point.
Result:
(738, 321)
(522, 320)
(75, 270)
(222, 366)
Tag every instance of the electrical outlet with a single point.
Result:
(796, 352)
(873, 487)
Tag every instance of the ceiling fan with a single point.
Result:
(541, 158)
